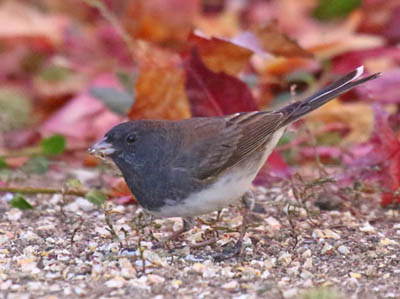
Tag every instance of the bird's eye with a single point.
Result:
(130, 139)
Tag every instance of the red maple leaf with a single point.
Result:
(386, 150)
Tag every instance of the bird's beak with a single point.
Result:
(101, 148)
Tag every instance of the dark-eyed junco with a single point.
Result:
(195, 166)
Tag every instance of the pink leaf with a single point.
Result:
(84, 118)
(384, 90)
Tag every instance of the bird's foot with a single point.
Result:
(163, 243)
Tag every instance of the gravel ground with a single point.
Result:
(64, 249)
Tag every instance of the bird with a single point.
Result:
(187, 168)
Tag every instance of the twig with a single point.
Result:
(32, 190)
(203, 243)
(76, 230)
(110, 227)
(26, 152)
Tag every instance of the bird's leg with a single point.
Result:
(187, 225)
(248, 204)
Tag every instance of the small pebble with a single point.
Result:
(291, 293)
(306, 253)
(343, 250)
(326, 249)
(308, 263)
(367, 228)
(285, 258)
(117, 282)
(155, 279)
(232, 285)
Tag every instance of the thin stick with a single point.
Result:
(32, 190)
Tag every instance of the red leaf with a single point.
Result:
(214, 94)
(387, 150)
(323, 152)
(21, 138)
(120, 192)
(274, 168)
(392, 30)
(350, 60)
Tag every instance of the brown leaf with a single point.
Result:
(161, 21)
(357, 116)
(160, 91)
(221, 55)
(278, 43)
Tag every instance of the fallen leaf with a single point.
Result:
(161, 21)
(352, 59)
(159, 90)
(120, 192)
(220, 55)
(331, 9)
(387, 150)
(23, 22)
(274, 169)
(214, 94)
(357, 116)
(325, 153)
(272, 40)
(226, 24)
(280, 66)
(385, 90)
(83, 118)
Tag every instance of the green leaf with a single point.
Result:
(3, 163)
(286, 138)
(54, 73)
(118, 101)
(96, 197)
(37, 165)
(330, 9)
(126, 81)
(54, 145)
(300, 76)
(19, 202)
(329, 138)
(15, 109)
(74, 184)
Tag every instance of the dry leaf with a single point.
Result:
(160, 91)
(20, 21)
(221, 55)
(357, 116)
(161, 21)
(278, 43)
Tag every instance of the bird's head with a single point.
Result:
(133, 145)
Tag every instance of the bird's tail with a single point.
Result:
(347, 82)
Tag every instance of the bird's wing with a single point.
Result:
(217, 144)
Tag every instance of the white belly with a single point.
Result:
(224, 192)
